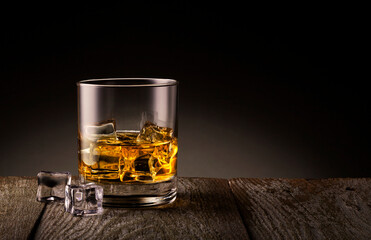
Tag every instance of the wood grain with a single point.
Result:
(19, 209)
(204, 209)
(305, 209)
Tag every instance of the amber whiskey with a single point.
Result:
(146, 156)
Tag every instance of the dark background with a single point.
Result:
(265, 91)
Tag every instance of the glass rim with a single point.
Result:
(147, 82)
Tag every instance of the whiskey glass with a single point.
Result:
(128, 139)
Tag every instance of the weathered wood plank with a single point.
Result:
(19, 209)
(305, 209)
(204, 209)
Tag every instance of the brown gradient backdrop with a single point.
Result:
(264, 92)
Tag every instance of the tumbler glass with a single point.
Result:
(128, 139)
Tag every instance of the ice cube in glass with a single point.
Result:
(150, 132)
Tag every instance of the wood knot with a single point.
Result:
(349, 189)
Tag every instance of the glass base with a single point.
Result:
(138, 201)
(134, 195)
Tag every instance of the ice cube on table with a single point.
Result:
(102, 131)
(150, 132)
(84, 199)
(51, 186)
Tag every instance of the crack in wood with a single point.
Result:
(239, 211)
(32, 234)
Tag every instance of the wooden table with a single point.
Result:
(206, 208)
